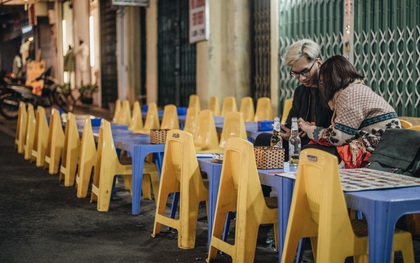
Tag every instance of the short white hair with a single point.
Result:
(303, 47)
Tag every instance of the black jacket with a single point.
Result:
(301, 108)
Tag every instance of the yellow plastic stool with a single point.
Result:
(55, 143)
(124, 115)
(170, 118)
(191, 120)
(247, 109)
(405, 124)
(136, 122)
(318, 211)
(416, 128)
(240, 191)
(288, 103)
(108, 166)
(116, 110)
(22, 121)
(30, 133)
(41, 136)
(180, 173)
(152, 119)
(206, 138)
(233, 126)
(214, 105)
(194, 102)
(71, 150)
(264, 110)
(87, 159)
(229, 104)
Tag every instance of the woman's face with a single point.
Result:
(306, 71)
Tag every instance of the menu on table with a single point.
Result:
(367, 179)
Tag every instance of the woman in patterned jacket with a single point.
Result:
(360, 116)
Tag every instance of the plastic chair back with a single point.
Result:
(206, 138)
(22, 121)
(247, 109)
(87, 159)
(240, 191)
(30, 133)
(136, 122)
(233, 126)
(152, 119)
(106, 167)
(41, 136)
(170, 118)
(194, 102)
(55, 143)
(318, 204)
(264, 110)
(286, 109)
(180, 173)
(191, 121)
(229, 104)
(124, 115)
(116, 110)
(214, 105)
(405, 124)
(71, 150)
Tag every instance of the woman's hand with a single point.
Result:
(304, 125)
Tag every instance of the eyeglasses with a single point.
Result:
(303, 73)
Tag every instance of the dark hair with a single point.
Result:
(336, 73)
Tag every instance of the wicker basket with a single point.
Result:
(158, 136)
(269, 157)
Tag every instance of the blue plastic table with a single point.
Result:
(139, 146)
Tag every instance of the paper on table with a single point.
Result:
(367, 179)
(291, 175)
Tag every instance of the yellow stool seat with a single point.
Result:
(191, 120)
(194, 102)
(41, 137)
(136, 122)
(233, 126)
(117, 110)
(55, 143)
(288, 103)
(206, 138)
(107, 166)
(87, 159)
(22, 122)
(240, 191)
(415, 128)
(71, 151)
(229, 104)
(247, 109)
(318, 211)
(152, 119)
(214, 105)
(264, 110)
(180, 173)
(170, 118)
(30, 133)
(124, 115)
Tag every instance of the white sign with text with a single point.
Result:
(199, 20)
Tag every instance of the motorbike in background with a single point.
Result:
(13, 93)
